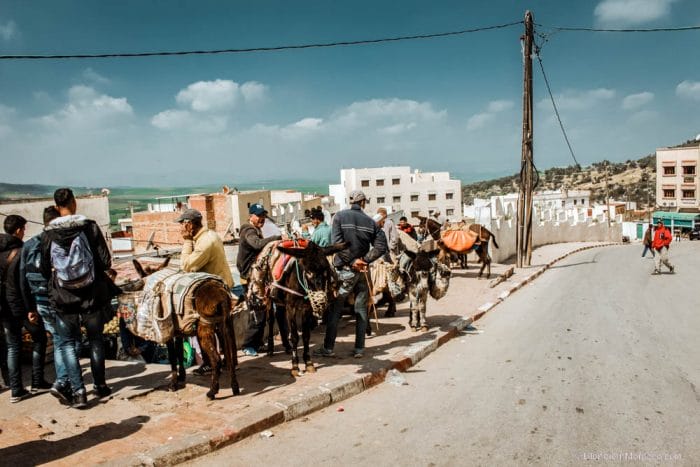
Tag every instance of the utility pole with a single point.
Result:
(523, 238)
(607, 193)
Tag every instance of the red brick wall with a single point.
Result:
(167, 231)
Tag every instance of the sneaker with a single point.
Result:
(21, 395)
(40, 387)
(323, 352)
(673, 269)
(656, 272)
(358, 353)
(202, 370)
(102, 390)
(250, 352)
(62, 393)
(79, 400)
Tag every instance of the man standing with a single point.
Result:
(407, 228)
(75, 260)
(662, 240)
(360, 231)
(390, 232)
(251, 244)
(15, 314)
(648, 237)
(202, 251)
(322, 231)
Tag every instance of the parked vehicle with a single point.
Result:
(695, 233)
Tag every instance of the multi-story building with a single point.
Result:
(397, 188)
(677, 178)
(566, 201)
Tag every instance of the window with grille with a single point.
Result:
(415, 213)
(669, 193)
(396, 199)
(669, 171)
(414, 197)
(431, 196)
(365, 183)
(449, 195)
(688, 170)
(450, 212)
(396, 181)
(688, 194)
(380, 200)
(380, 182)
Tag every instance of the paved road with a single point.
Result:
(594, 359)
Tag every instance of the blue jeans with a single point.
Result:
(350, 281)
(13, 338)
(68, 327)
(48, 316)
(648, 248)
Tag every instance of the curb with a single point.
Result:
(261, 418)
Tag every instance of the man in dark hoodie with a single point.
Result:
(15, 313)
(75, 260)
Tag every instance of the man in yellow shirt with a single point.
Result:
(202, 251)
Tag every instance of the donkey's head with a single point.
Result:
(422, 265)
(312, 260)
(143, 270)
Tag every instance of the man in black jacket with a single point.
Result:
(361, 232)
(15, 313)
(250, 245)
(81, 298)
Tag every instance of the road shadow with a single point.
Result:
(580, 263)
(42, 451)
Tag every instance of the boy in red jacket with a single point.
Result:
(662, 239)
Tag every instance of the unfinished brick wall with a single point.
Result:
(167, 231)
(215, 209)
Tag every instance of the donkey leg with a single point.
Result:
(172, 358)
(180, 351)
(270, 330)
(230, 350)
(207, 341)
(283, 326)
(306, 338)
(422, 310)
(294, 337)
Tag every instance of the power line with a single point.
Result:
(581, 29)
(554, 104)
(259, 49)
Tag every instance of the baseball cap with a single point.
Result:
(257, 209)
(189, 215)
(356, 196)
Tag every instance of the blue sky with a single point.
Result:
(441, 104)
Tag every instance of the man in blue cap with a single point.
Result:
(250, 245)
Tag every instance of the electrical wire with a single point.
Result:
(259, 49)
(581, 29)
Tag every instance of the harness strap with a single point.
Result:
(288, 290)
(211, 321)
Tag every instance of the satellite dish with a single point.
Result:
(106, 192)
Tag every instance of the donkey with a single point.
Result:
(418, 270)
(214, 305)
(481, 246)
(304, 289)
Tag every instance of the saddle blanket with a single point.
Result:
(460, 241)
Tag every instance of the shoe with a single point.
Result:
(368, 331)
(250, 352)
(202, 370)
(673, 269)
(391, 311)
(358, 353)
(288, 349)
(102, 390)
(62, 393)
(23, 394)
(40, 387)
(323, 352)
(79, 400)
(656, 272)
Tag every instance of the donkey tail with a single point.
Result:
(493, 237)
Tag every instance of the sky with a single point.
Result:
(449, 103)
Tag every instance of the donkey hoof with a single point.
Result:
(310, 368)
(181, 377)
(172, 387)
(211, 395)
(270, 353)
(414, 329)
(424, 328)
(295, 372)
(236, 391)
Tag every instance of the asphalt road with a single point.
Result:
(595, 362)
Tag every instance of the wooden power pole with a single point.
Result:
(607, 193)
(523, 237)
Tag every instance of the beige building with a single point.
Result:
(677, 186)
(397, 188)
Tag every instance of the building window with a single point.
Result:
(431, 196)
(415, 213)
(396, 199)
(365, 183)
(380, 200)
(688, 170)
(669, 171)
(669, 193)
(396, 181)
(583, 201)
(380, 182)
(449, 195)
(414, 197)
(575, 202)
(449, 212)
(688, 194)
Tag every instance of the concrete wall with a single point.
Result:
(92, 207)
(544, 233)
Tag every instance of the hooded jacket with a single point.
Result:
(11, 301)
(662, 238)
(63, 231)
(354, 226)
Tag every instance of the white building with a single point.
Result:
(397, 188)
(290, 205)
(569, 202)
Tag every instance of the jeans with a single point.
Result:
(13, 338)
(350, 281)
(648, 248)
(68, 327)
(48, 317)
(3, 358)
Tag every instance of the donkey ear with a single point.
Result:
(433, 253)
(410, 254)
(335, 248)
(139, 269)
(296, 252)
(165, 263)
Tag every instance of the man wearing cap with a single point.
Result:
(360, 231)
(251, 244)
(662, 240)
(203, 250)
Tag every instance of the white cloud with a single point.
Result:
(8, 30)
(397, 129)
(205, 96)
(631, 12)
(689, 90)
(253, 91)
(87, 107)
(480, 120)
(171, 119)
(578, 99)
(499, 106)
(383, 112)
(91, 75)
(308, 123)
(634, 101)
(7, 114)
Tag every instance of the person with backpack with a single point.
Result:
(35, 292)
(75, 260)
(15, 315)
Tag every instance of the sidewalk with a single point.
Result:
(142, 423)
